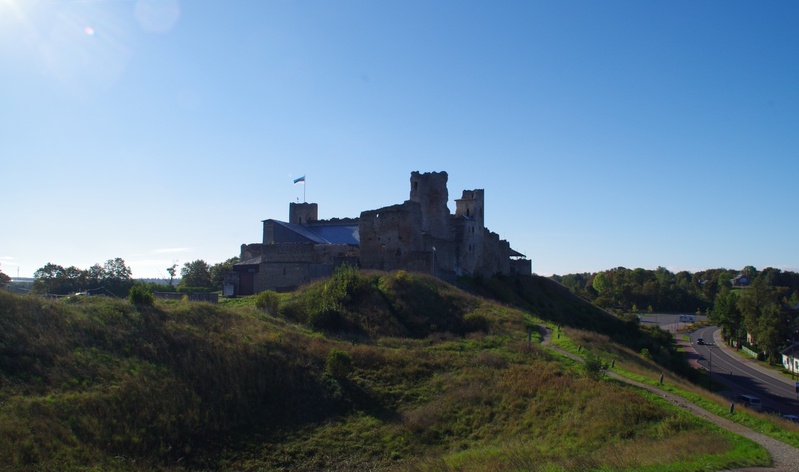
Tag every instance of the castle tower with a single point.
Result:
(303, 213)
(470, 205)
(430, 191)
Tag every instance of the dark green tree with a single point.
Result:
(195, 275)
(760, 308)
(726, 315)
(4, 279)
(117, 277)
(219, 270)
(172, 271)
(51, 278)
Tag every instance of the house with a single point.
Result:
(740, 280)
(419, 235)
(790, 358)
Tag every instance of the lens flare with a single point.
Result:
(89, 30)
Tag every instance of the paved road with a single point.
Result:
(785, 458)
(743, 375)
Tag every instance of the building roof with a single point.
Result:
(326, 233)
(337, 234)
(792, 350)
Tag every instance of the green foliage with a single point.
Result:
(98, 384)
(113, 278)
(4, 279)
(139, 295)
(197, 275)
(379, 304)
(268, 301)
(218, 271)
(338, 364)
(593, 367)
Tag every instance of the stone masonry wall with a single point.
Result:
(389, 235)
(430, 191)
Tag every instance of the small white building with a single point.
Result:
(790, 358)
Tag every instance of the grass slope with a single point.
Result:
(364, 370)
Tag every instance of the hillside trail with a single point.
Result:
(784, 458)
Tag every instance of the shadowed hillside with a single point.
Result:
(363, 370)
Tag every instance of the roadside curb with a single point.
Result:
(754, 363)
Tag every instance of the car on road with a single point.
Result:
(791, 418)
(750, 401)
(700, 341)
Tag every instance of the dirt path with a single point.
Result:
(785, 458)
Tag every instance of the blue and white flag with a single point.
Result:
(299, 179)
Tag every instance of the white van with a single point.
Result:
(751, 401)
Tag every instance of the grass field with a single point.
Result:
(362, 371)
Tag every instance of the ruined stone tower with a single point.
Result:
(470, 205)
(430, 191)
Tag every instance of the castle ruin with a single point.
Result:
(419, 235)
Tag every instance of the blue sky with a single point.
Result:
(605, 134)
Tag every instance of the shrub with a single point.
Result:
(268, 301)
(140, 296)
(593, 367)
(338, 364)
(476, 322)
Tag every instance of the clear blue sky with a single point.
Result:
(605, 134)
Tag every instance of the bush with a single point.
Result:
(140, 296)
(268, 301)
(338, 364)
(476, 322)
(593, 367)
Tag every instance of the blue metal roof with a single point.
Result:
(336, 234)
(325, 234)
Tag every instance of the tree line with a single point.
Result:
(765, 308)
(114, 278)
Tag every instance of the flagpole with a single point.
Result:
(304, 185)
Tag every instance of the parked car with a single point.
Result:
(791, 418)
(750, 401)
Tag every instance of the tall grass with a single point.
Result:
(412, 374)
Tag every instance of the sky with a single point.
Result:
(605, 134)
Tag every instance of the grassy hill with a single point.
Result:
(364, 370)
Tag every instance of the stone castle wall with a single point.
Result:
(418, 235)
(390, 235)
(430, 191)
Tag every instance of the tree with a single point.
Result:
(4, 279)
(760, 309)
(172, 270)
(726, 314)
(51, 278)
(114, 277)
(195, 275)
(219, 270)
(117, 277)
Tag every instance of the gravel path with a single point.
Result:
(785, 458)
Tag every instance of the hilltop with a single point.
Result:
(362, 370)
